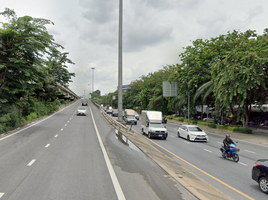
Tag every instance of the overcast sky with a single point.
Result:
(154, 32)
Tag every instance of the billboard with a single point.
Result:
(170, 89)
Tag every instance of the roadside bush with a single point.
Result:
(179, 119)
(212, 125)
(204, 123)
(169, 117)
(31, 116)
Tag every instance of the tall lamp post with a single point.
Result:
(120, 47)
(92, 74)
(89, 91)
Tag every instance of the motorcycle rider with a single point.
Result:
(227, 141)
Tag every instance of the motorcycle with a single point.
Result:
(232, 153)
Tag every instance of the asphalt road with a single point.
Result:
(65, 156)
(204, 160)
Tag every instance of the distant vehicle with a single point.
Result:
(208, 119)
(110, 111)
(131, 120)
(164, 120)
(84, 103)
(151, 124)
(129, 117)
(81, 111)
(115, 113)
(260, 174)
(192, 133)
(137, 116)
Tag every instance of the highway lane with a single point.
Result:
(61, 157)
(230, 177)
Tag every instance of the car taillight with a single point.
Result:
(256, 164)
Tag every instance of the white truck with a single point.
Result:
(129, 117)
(151, 124)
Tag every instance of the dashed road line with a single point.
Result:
(47, 145)
(1, 195)
(242, 163)
(249, 151)
(208, 150)
(56, 135)
(31, 163)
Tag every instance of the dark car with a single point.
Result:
(260, 174)
(164, 120)
(84, 103)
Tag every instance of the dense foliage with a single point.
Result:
(227, 73)
(31, 66)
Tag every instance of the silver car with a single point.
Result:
(81, 111)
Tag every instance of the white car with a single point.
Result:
(81, 111)
(192, 133)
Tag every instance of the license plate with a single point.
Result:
(160, 135)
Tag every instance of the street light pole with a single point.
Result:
(120, 47)
(89, 91)
(92, 75)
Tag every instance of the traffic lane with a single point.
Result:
(196, 153)
(71, 168)
(21, 148)
(249, 150)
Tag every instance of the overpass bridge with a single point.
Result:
(66, 93)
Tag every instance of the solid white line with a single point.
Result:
(1, 194)
(242, 163)
(117, 187)
(32, 162)
(208, 150)
(249, 151)
(56, 135)
(47, 145)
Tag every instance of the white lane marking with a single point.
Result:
(56, 135)
(117, 187)
(208, 150)
(242, 163)
(249, 151)
(33, 124)
(47, 145)
(68, 121)
(32, 162)
(65, 124)
(1, 194)
(61, 129)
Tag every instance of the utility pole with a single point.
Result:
(120, 47)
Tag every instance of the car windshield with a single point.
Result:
(131, 117)
(81, 108)
(194, 128)
(156, 126)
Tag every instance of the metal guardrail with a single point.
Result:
(122, 129)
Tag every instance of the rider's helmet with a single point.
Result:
(227, 136)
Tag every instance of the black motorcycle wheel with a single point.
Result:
(235, 157)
